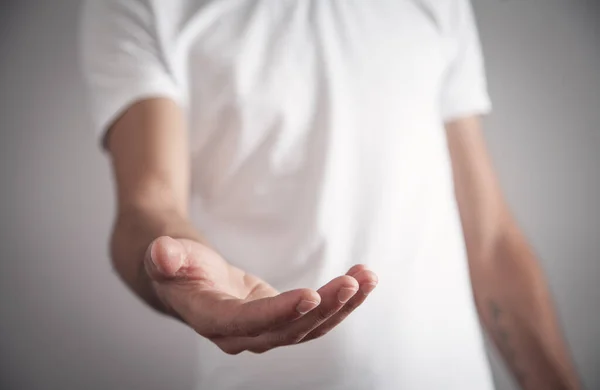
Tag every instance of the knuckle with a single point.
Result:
(227, 346)
(279, 340)
(285, 339)
(319, 333)
(232, 328)
(321, 315)
(253, 333)
(316, 333)
(295, 338)
(349, 307)
(259, 350)
(231, 350)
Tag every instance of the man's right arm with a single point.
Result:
(148, 146)
(167, 263)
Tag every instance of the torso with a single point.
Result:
(318, 144)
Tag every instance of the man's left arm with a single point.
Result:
(511, 294)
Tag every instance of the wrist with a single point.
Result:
(134, 230)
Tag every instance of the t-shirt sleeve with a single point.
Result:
(123, 59)
(464, 89)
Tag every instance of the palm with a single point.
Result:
(238, 311)
(216, 276)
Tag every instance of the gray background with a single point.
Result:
(68, 323)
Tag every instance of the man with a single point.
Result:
(262, 148)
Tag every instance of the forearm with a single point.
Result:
(135, 228)
(515, 307)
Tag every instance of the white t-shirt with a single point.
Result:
(318, 143)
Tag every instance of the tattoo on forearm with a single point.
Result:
(498, 328)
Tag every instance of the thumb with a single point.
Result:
(164, 258)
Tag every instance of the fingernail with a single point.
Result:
(345, 294)
(367, 288)
(306, 306)
(152, 249)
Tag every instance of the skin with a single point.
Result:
(169, 264)
(510, 291)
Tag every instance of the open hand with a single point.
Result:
(238, 311)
